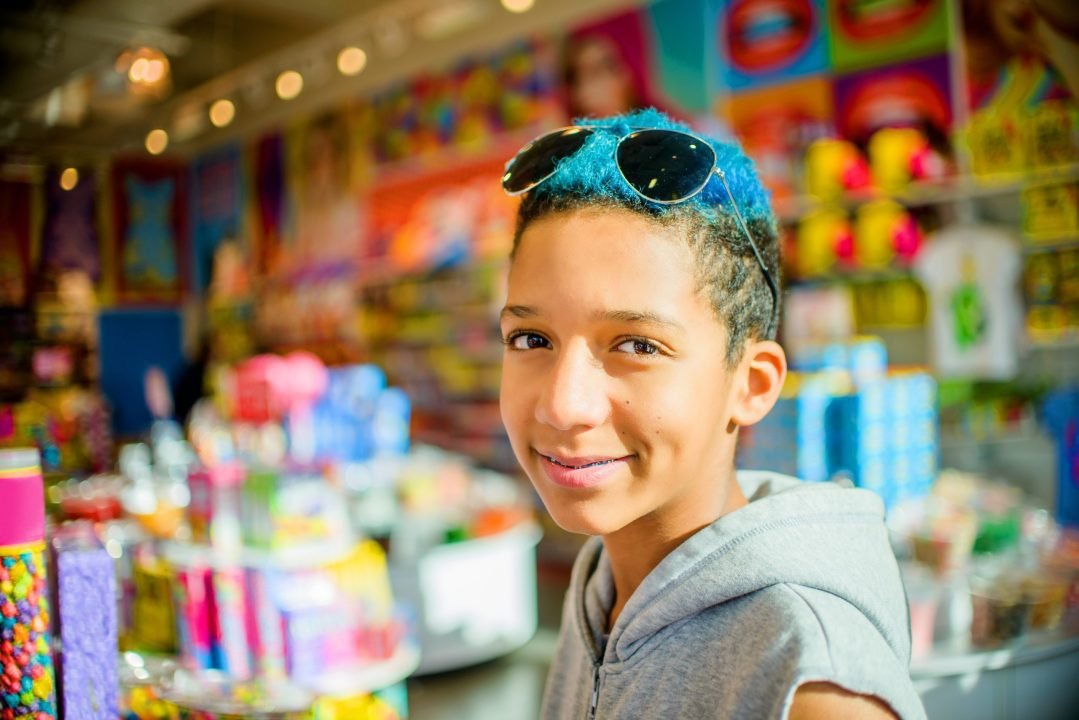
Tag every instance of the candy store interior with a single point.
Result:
(252, 259)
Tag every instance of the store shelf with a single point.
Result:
(927, 193)
(352, 680)
(853, 276)
(957, 657)
(1062, 340)
(293, 557)
(1052, 244)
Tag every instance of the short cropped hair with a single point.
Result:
(727, 271)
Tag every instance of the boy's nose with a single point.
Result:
(574, 391)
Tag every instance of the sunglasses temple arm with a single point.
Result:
(756, 253)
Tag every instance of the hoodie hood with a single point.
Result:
(816, 535)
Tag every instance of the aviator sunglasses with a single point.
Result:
(662, 166)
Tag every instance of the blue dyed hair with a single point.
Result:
(727, 270)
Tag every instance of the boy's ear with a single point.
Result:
(761, 374)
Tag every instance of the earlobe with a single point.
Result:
(761, 375)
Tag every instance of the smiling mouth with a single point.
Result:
(553, 461)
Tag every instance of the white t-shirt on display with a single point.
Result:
(971, 276)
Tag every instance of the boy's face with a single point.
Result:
(615, 390)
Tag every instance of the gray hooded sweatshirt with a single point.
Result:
(800, 585)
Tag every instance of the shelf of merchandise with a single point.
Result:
(1061, 340)
(935, 192)
(854, 275)
(1051, 244)
(352, 680)
(292, 557)
(959, 657)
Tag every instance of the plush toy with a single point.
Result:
(900, 155)
(834, 166)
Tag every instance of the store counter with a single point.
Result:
(1036, 677)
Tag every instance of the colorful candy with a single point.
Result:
(26, 685)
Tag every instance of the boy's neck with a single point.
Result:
(635, 550)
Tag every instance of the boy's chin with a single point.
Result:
(585, 521)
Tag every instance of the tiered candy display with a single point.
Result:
(27, 681)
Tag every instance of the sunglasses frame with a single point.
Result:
(714, 170)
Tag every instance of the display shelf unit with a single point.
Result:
(1053, 244)
(352, 680)
(854, 275)
(927, 193)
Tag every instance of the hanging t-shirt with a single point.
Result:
(971, 276)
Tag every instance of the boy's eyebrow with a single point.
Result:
(520, 311)
(639, 317)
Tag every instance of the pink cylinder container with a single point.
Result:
(26, 669)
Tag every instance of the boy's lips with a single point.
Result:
(580, 471)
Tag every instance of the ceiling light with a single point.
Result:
(156, 141)
(351, 61)
(289, 84)
(69, 178)
(147, 69)
(518, 6)
(222, 112)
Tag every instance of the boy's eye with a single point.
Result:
(638, 347)
(527, 341)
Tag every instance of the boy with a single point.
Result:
(641, 305)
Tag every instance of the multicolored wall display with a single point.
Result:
(462, 110)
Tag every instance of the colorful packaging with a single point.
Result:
(153, 616)
(230, 606)
(85, 595)
(194, 612)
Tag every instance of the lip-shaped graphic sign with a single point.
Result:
(768, 34)
(864, 21)
(908, 98)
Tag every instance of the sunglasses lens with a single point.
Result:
(537, 161)
(665, 165)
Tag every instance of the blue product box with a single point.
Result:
(872, 476)
(867, 359)
(902, 469)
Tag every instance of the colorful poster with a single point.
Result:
(216, 208)
(69, 238)
(771, 41)
(864, 34)
(16, 200)
(775, 126)
(607, 67)
(326, 225)
(914, 94)
(269, 180)
(150, 217)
